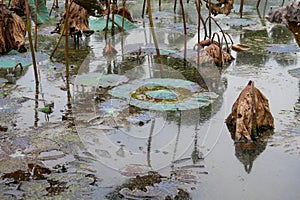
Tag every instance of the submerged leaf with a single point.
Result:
(10, 61)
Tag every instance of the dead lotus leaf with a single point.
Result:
(78, 21)
(240, 47)
(12, 35)
(222, 7)
(215, 51)
(250, 114)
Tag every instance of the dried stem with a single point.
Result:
(28, 25)
(67, 40)
(183, 16)
(123, 14)
(153, 32)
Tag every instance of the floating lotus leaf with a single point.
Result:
(283, 48)
(10, 104)
(99, 23)
(101, 80)
(140, 118)
(164, 94)
(113, 105)
(150, 49)
(238, 21)
(295, 72)
(12, 59)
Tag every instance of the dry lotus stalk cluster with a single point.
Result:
(250, 114)
(215, 51)
(12, 32)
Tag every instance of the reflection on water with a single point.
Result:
(247, 152)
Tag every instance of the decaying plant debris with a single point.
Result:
(222, 7)
(12, 31)
(250, 114)
(290, 16)
(215, 51)
(78, 21)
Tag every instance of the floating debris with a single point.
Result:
(8, 105)
(240, 47)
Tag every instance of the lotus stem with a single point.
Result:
(28, 26)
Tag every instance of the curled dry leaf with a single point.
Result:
(222, 7)
(215, 52)
(240, 47)
(250, 114)
(13, 36)
(78, 21)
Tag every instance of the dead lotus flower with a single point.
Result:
(250, 114)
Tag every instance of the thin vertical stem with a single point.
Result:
(150, 142)
(28, 25)
(159, 5)
(36, 106)
(241, 8)
(209, 19)
(107, 19)
(123, 14)
(153, 33)
(2, 18)
(199, 19)
(183, 16)
(175, 2)
(67, 40)
(114, 8)
(35, 27)
(143, 11)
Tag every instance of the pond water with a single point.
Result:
(118, 120)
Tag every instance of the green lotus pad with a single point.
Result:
(164, 94)
(39, 10)
(99, 24)
(10, 60)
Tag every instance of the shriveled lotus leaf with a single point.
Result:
(250, 114)
(283, 48)
(240, 47)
